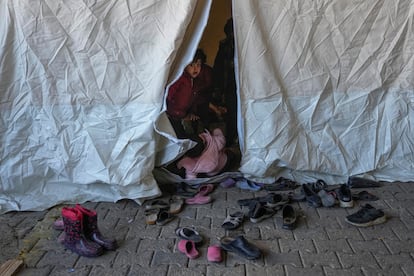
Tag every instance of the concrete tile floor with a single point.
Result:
(321, 244)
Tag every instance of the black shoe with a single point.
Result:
(319, 185)
(258, 212)
(241, 247)
(344, 196)
(366, 216)
(312, 198)
(289, 217)
(359, 182)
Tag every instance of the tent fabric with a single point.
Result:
(81, 85)
(325, 90)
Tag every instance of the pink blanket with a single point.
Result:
(211, 161)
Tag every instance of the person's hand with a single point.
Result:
(222, 109)
(219, 110)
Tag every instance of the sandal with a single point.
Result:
(164, 217)
(190, 234)
(157, 204)
(176, 204)
(151, 216)
(233, 221)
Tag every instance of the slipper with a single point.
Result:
(233, 221)
(198, 200)
(163, 217)
(190, 234)
(364, 195)
(228, 183)
(241, 246)
(157, 204)
(214, 254)
(188, 248)
(151, 216)
(176, 204)
(248, 185)
(205, 189)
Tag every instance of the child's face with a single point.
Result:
(194, 68)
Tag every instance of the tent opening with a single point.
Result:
(210, 99)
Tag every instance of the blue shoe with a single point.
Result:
(248, 185)
(241, 247)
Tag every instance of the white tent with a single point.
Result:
(326, 90)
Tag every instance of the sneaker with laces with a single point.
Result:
(366, 216)
(345, 196)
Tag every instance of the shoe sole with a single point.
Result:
(346, 204)
(369, 223)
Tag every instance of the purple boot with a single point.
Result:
(90, 219)
(75, 239)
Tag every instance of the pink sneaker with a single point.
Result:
(214, 254)
(188, 248)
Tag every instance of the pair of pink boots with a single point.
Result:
(202, 196)
(190, 250)
(80, 232)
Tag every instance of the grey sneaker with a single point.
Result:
(366, 216)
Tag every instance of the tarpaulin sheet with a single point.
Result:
(326, 88)
(81, 84)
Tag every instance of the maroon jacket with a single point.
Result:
(203, 89)
(180, 97)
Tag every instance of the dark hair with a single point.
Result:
(228, 28)
(200, 55)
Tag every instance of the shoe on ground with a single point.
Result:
(164, 217)
(345, 196)
(214, 254)
(297, 195)
(366, 216)
(258, 212)
(188, 248)
(312, 198)
(240, 246)
(190, 234)
(233, 221)
(328, 198)
(289, 217)
(359, 182)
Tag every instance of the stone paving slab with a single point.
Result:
(322, 244)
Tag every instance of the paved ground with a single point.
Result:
(322, 244)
